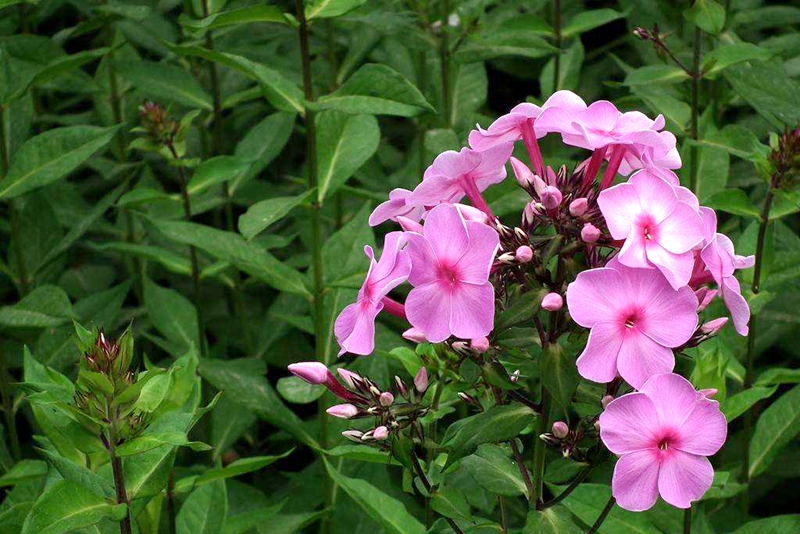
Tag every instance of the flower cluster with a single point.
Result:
(637, 263)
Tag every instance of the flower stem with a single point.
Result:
(602, 517)
(170, 497)
(532, 146)
(475, 197)
(540, 450)
(556, 43)
(695, 76)
(577, 481)
(429, 488)
(687, 521)
(592, 168)
(526, 476)
(444, 59)
(122, 495)
(613, 166)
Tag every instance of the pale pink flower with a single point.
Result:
(658, 159)
(451, 262)
(343, 411)
(355, 325)
(421, 380)
(659, 229)
(663, 435)
(590, 233)
(454, 175)
(318, 374)
(552, 302)
(397, 205)
(636, 319)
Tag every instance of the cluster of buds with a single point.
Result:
(157, 122)
(107, 389)
(785, 159)
(576, 442)
(364, 399)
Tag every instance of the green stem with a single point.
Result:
(577, 481)
(429, 488)
(695, 74)
(540, 451)
(687, 521)
(602, 517)
(444, 59)
(122, 495)
(8, 409)
(170, 498)
(556, 43)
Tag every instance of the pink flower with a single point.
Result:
(451, 261)
(642, 156)
(454, 175)
(355, 325)
(662, 435)
(343, 411)
(636, 319)
(659, 229)
(394, 207)
(552, 302)
(312, 372)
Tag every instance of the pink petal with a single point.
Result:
(472, 311)
(593, 296)
(475, 264)
(446, 232)
(492, 168)
(563, 99)
(428, 308)
(681, 230)
(598, 361)
(709, 217)
(601, 115)
(528, 110)
(676, 268)
(684, 478)
(671, 317)
(454, 164)
(392, 253)
(396, 205)
(635, 482)
(640, 358)
(424, 263)
(656, 196)
(436, 189)
(674, 398)
(736, 304)
(627, 423)
(555, 120)
(633, 253)
(355, 328)
(704, 430)
(620, 207)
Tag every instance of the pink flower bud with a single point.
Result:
(353, 435)
(590, 233)
(578, 207)
(480, 345)
(714, 326)
(343, 411)
(350, 378)
(421, 380)
(415, 335)
(530, 212)
(380, 433)
(524, 254)
(386, 399)
(606, 400)
(560, 429)
(709, 392)
(704, 297)
(522, 172)
(514, 377)
(311, 372)
(551, 197)
(552, 302)
(409, 225)
(471, 213)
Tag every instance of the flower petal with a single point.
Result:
(355, 328)
(681, 230)
(676, 268)
(671, 317)
(627, 423)
(593, 296)
(446, 232)
(705, 430)
(428, 308)
(635, 482)
(598, 361)
(684, 478)
(620, 207)
(656, 196)
(736, 304)
(472, 311)
(475, 264)
(674, 398)
(640, 358)
(424, 263)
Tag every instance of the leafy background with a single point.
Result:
(95, 229)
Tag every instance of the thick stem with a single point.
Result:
(602, 517)
(556, 43)
(122, 495)
(540, 450)
(170, 498)
(695, 74)
(532, 146)
(428, 487)
(444, 59)
(392, 307)
(613, 166)
(577, 481)
(687, 521)
(526, 476)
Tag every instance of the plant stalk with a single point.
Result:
(170, 505)
(687, 521)
(556, 43)
(122, 495)
(695, 77)
(429, 488)
(577, 481)
(540, 451)
(444, 60)
(602, 517)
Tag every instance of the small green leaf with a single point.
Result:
(494, 470)
(738, 404)
(235, 17)
(777, 426)
(204, 511)
(500, 423)
(451, 502)
(778, 375)
(23, 471)
(552, 520)
(66, 506)
(262, 214)
(46, 306)
(161, 81)
(344, 143)
(172, 314)
(215, 171)
(298, 391)
(589, 20)
(656, 74)
(724, 56)
(779, 524)
(559, 374)
(734, 201)
(708, 15)
(323, 9)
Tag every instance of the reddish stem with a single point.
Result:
(392, 307)
(532, 145)
(612, 167)
(594, 166)
(475, 196)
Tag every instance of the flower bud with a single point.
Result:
(606, 400)
(421, 380)
(708, 392)
(480, 345)
(401, 386)
(415, 335)
(343, 411)
(380, 433)
(350, 378)
(704, 297)
(590, 233)
(523, 254)
(353, 435)
(386, 399)
(530, 212)
(466, 398)
(578, 207)
(714, 326)
(552, 302)
(507, 258)
(409, 225)
(311, 372)
(514, 377)
(551, 197)
(522, 172)
(560, 429)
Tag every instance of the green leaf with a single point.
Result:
(215, 171)
(495, 471)
(569, 72)
(205, 510)
(386, 511)
(552, 520)
(451, 502)
(161, 81)
(46, 306)
(298, 391)
(738, 404)
(235, 17)
(262, 144)
(79, 474)
(656, 74)
(777, 426)
(234, 469)
(324, 9)
(589, 20)
(148, 442)
(734, 201)
(67, 506)
(172, 314)
(262, 214)
(708, 15)
(13, 516)
(724, 56)
(245, 522)
(768, 88)
(52, 155)
(588, 500)
(344, 143)
(778, 375)
(23, 471)
(559, 374)
(376, 90)
(499, 423)
(779, 524)
(232, 248)
(738, 141)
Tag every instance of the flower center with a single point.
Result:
(647, 234)
(630, 323)
(448, 274)
(663, 444)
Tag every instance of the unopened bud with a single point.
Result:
(551, 197)
(507, 258)
(375, 391)
(350, 378)
(380, 433)
(415, 335)
(343, 411)
(466, 398)
(514, 377)
(530, 213)
(523, 254)
(704, 297)
(520, 234)
(641, 33)
(421, 380)
(606, 400)
(461, 347)
(353, 435)
(560, 429)
(552, 302)
(409, 225)
(480, 345)
(311, 372)
(401, 386)
(708, 392)
(386, 399)
(522, 172)
(714, 326)
(578, 207)
(590, 233)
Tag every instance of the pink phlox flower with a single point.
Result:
(454, 175)
(396, 206)
(636, 319)
(721, 261)
(451, 260)
(663, 435)
(657, 159)
(509, 127)
(660, 230)
(355, 325)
